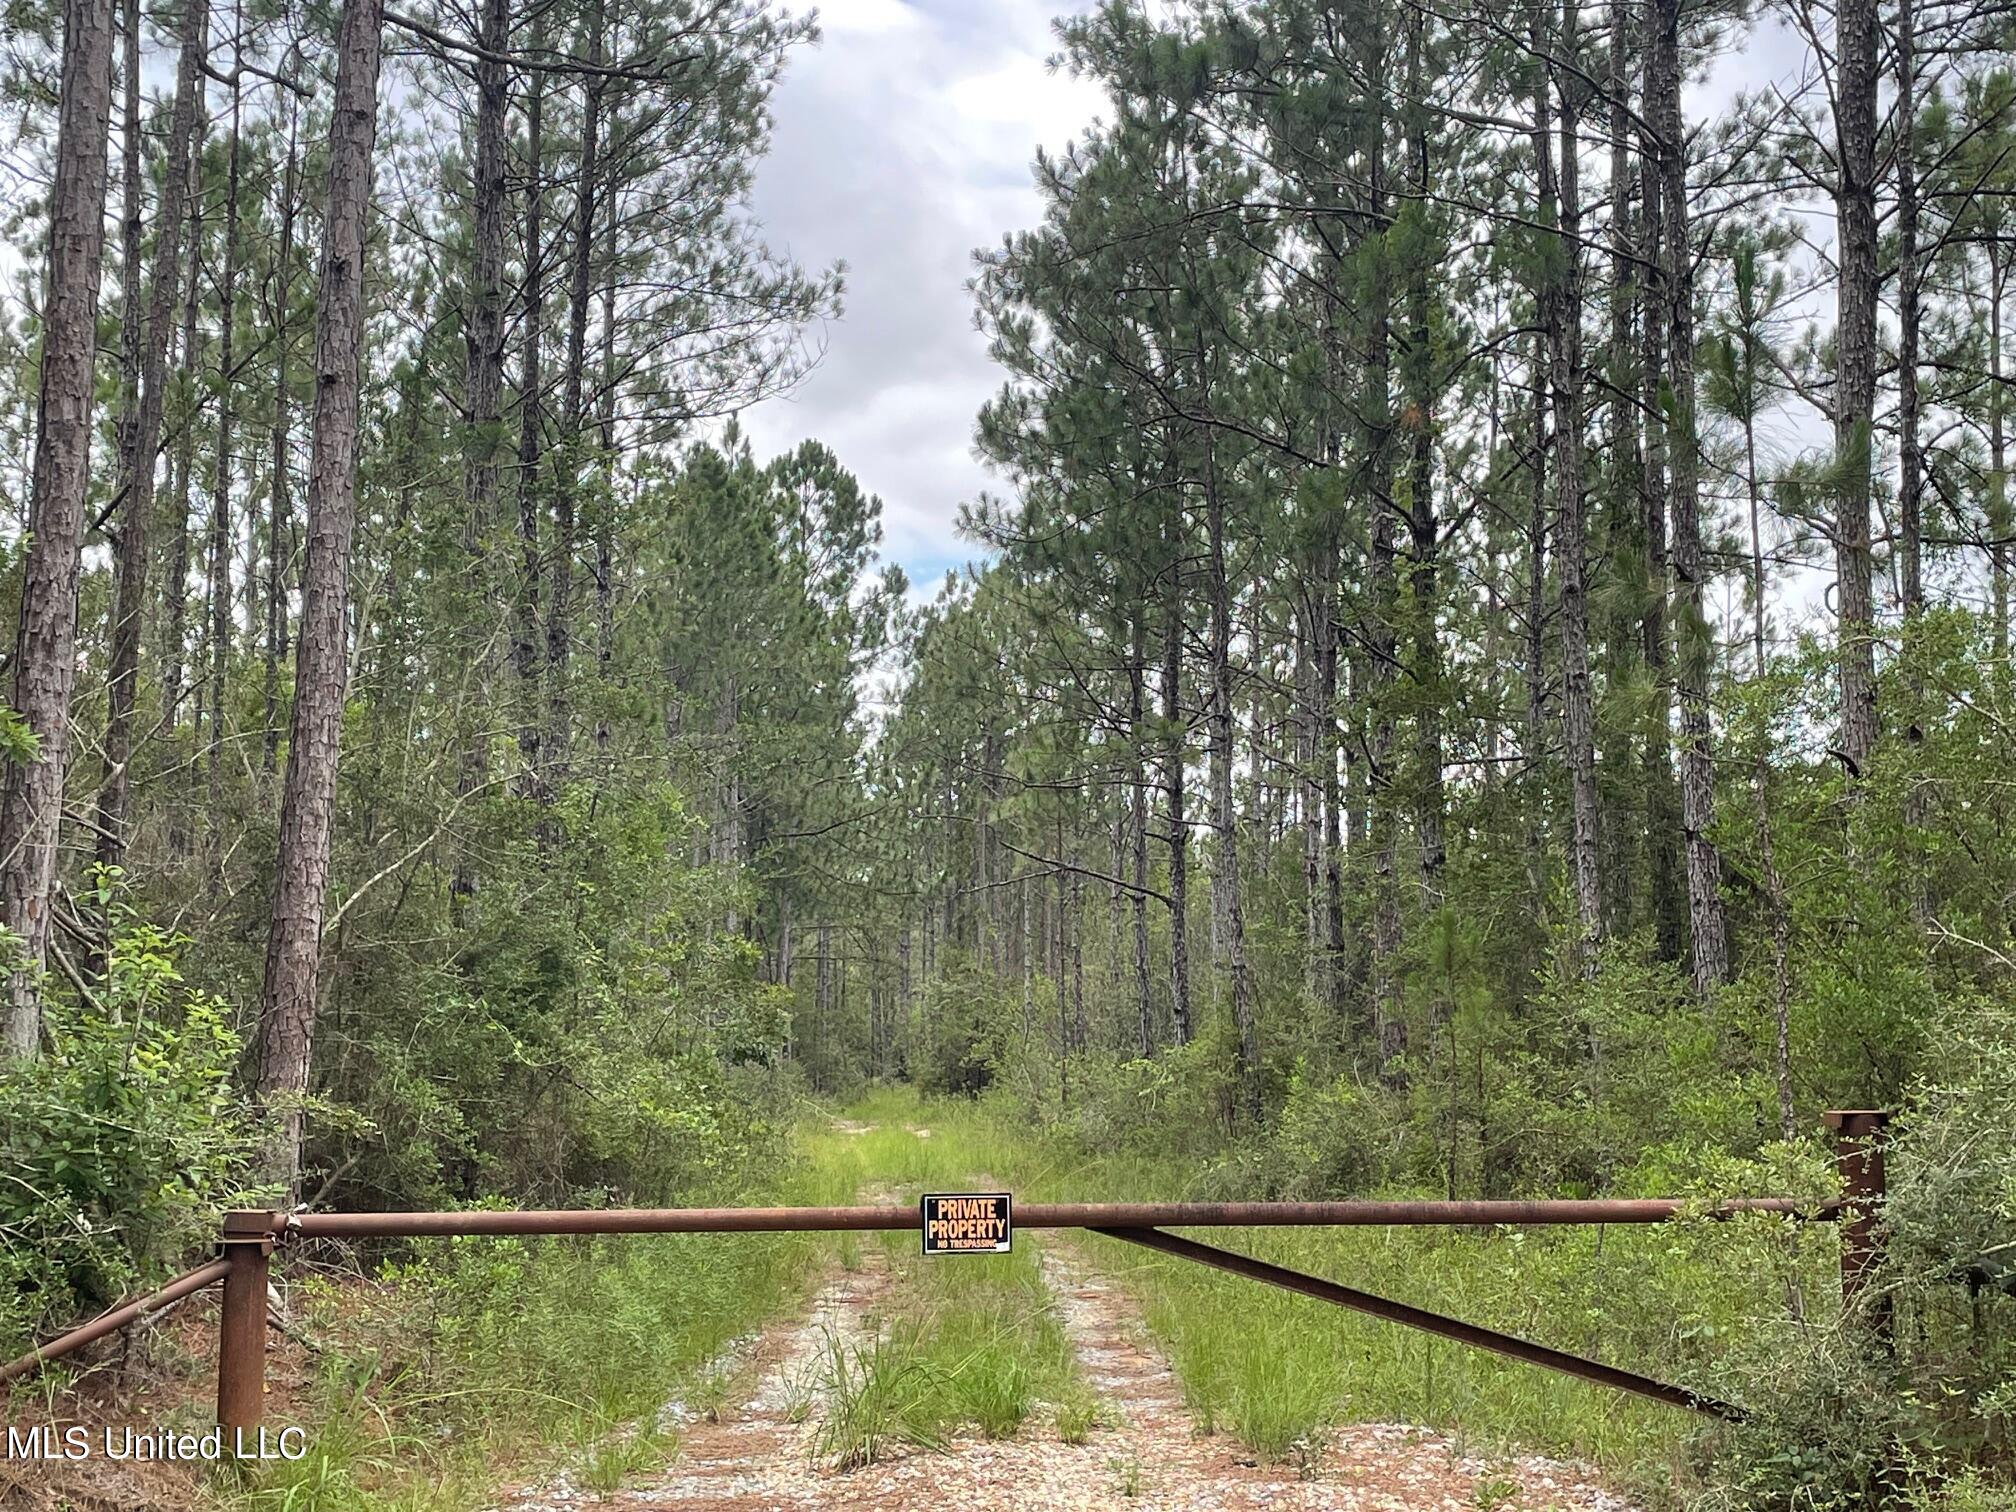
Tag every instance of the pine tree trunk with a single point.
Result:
(1383, 633)
(1327, 669)
(45, 646)
(182, 480)
(1623, 473)
(1388, 1018)
(1174, 751)
(1059, 927)
(140, 443)
(1027, 966)
(1560, 196)
(1137, 801)
(122, 683)
(822, 998)
(1075, 921)
(483, 390)
(483, 321)
(905, 991)
(220, 489)
(1707, 931)
(1662, 800)
(1910, 312)
(1855, 372)
(1116, 869)
(132, 227)
(1314, 744)
(1533, 754)
(1424, 530)
(1999, 522)
(321, 669)
(1222, 809)
(525, 652)
(280, 515)
(573, 431)
(605, 513)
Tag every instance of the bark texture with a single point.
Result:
(1707, 931)
(321, 668)
(1855, 372)
(1560, 197)
(140, 443)
(45, 662)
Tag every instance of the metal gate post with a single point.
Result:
(1859, 1140)
(241, 1341)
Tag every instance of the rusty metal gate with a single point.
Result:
(251, 1237)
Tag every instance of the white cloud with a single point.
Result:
(870, 17)
(903, 143)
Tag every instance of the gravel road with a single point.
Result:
(761, 1453)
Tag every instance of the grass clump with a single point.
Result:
(1077, 1416)
(879, 1393)
(987, 1324)
(981, 1325)
(614, 1456)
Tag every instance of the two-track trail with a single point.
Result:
(762, 1450)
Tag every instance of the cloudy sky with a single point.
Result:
(903, 144)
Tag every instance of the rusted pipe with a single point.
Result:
(1034, 1215)
(249, 1236)
(111, 1322)
(1435, 1323)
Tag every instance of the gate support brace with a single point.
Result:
(1414, 1317)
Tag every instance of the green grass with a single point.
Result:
(476, 1359)
(1280, 1371)
(879, 1393)
(987, 1325)
(480, 1356)
(1078, 1414)
(980, 1343)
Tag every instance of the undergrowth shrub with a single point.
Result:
(1125, 1105)
(1841, 1421)
(1335, 1138)
(607, 1043)
(120, 1143)
(962, 1038)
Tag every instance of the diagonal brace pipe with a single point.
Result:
(117, 1318)
(1415, 1317)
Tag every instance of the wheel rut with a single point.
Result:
(761, 1451)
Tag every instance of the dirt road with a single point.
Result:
(760, 1449)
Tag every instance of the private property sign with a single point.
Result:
(966, 1223)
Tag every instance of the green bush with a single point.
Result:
(610, 1044)
(1841, 1421)
(119, 1144)
(1339, 1138)
(961, 1039)
(1168, 1105)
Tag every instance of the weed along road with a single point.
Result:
(972, 1364)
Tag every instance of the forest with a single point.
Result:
(1485, 671)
